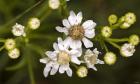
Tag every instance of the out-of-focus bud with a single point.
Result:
(54, 4)
(14, 53)
(34, 23)
(130, 18)
(10, 44)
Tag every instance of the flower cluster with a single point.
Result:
(68, 52)
(71, 52)
(128, 48)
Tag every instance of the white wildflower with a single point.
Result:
(77, 32)
(18, 30)
(91, 58)
(127, 50)
(14, 53)
(60, 59)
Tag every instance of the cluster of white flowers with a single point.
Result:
(70, 50)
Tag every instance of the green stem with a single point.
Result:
(105, 47)
(1, 48)
(64, 9)
(44, 11)
(30, 67)
(115, 26)
(74, 65)
(118, 40)
(113, 44)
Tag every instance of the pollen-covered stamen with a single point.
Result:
(92, 59)
(63, 57)
(76, 32)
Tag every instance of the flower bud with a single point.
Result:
(106, 31)
(125, 25)
(10, 44)
(34, 23)
(82, 71)
(14, 53)
(130, 18)
(54, 4)
(112, 19)
(134, 39)
(110, 58)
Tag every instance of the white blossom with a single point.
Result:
(18, 30)
(127, 50)
(91, 58)
(77, 32)
(60, 58)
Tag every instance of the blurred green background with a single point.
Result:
(125, 71)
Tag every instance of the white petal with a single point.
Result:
(90, 33)
(75, 60)
(69, 72)
(59, 39)
(94, 68)
(75, 44)
(87, 43)
(63, 68)
(46, 70)
(55, 46)
(66, 23)
(51, 54)
(79, 18)
(44, 60)
(100, 61)
(89, 24)
(61, 46)
(54, 69)
(72, 18)
(67, 42)
(76, 53)
(61, 29)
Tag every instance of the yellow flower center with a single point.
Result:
(76, 32)
(63, 57)
(92, 59)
